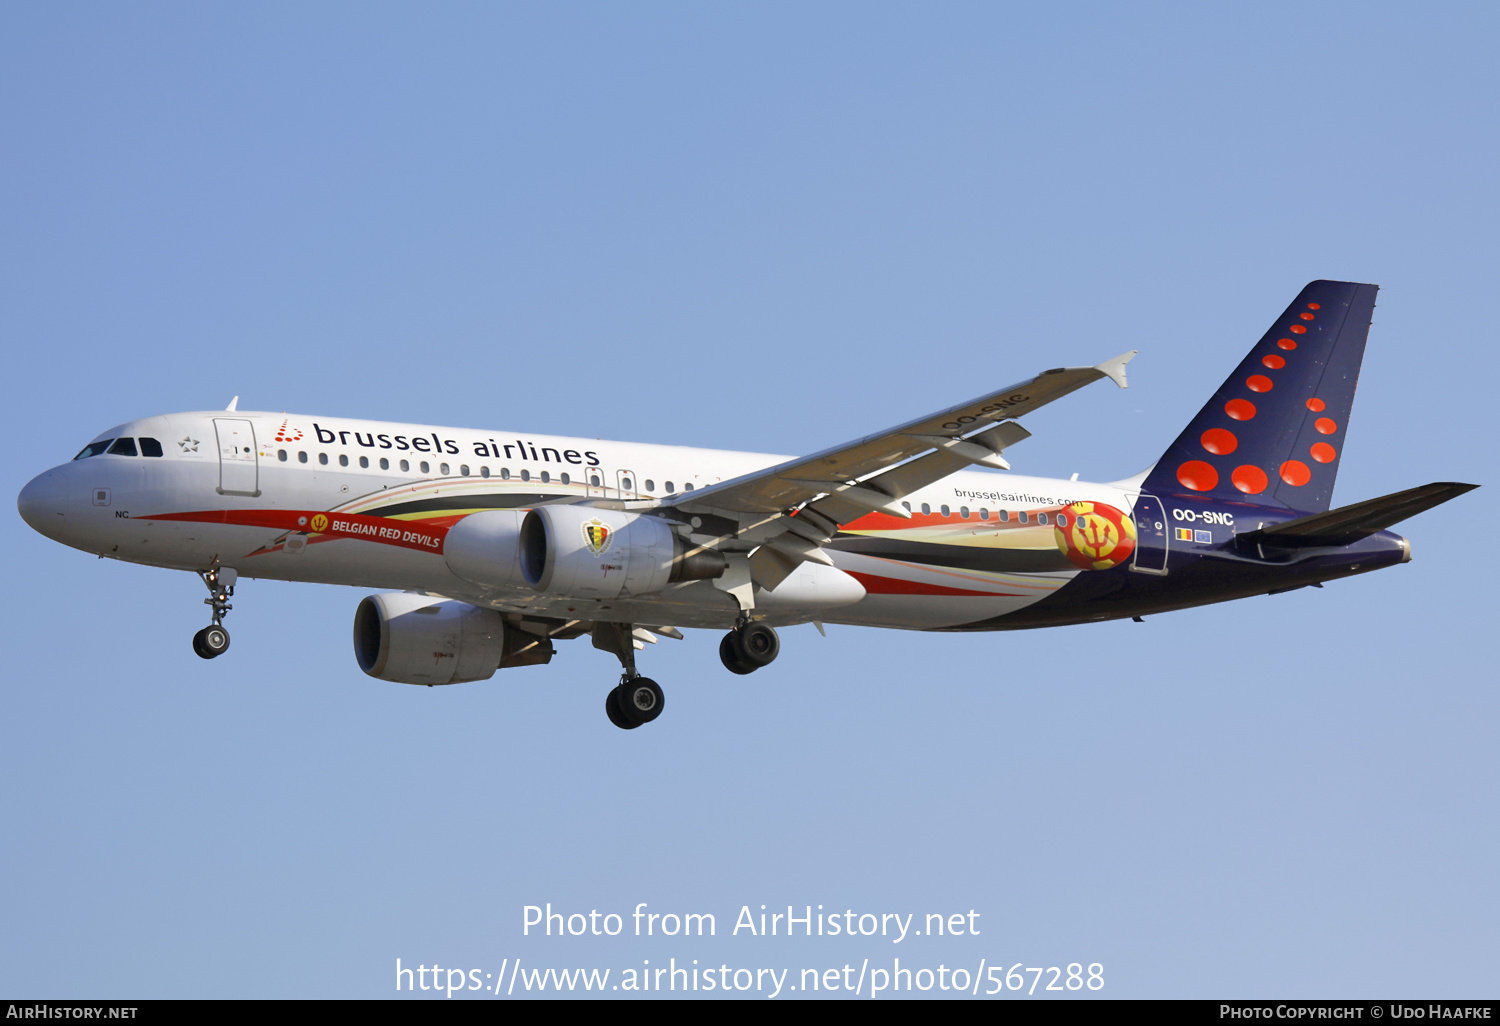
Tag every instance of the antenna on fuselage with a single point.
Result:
(232, 404)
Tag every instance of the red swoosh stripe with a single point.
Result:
(421, 535)
(894, 586)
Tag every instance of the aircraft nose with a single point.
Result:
(41, 503)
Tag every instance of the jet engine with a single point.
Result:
(485, 548)
(420, 639)
(586, 552)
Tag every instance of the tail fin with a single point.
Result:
(1275, 429)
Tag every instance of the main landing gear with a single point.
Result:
(636, 700)
(213, 640)
(749, 647)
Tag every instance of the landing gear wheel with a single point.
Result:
(759, 643)
(211, 641)
(616, 714)
(749, 647)
(641, 700)
(733, 656)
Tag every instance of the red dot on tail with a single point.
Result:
(1323, 452)
(1220, 442)
(1295, 472)
(1197, 475)
(1298, 329)
(1258, 383)
(1286, 343)
(1314, 306)
(1316, 405)
(1273, 361)
(1325, 426)
(1240, 409)
(1250, 480)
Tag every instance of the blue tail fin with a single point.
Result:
(1274, 431)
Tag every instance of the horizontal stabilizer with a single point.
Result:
(1350, 523)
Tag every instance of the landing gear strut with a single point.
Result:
(749, 647)
(213, 640)
(636, 699)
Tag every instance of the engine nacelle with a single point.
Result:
(586, 552)
(485, 548)
(419, 639)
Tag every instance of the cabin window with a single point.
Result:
(625, 484)
(323, 458)
(281, 455)
(594, 480)
(1041, 518)
(1062, 520)
(385, 464)
(525, 475)
(93, 449)
(984, 514)
(443, 469)
(505, 473)
(463, 470)
(405, 466)
(123, 447)
(926, 509)
(1022, 516)
(669, 487)
(343, 460)
(963, 511)
(1004, 515)
(688, 487)
(484, 471)
(150, 447)
(364, 462)
(946, 511)
(425, 467)
(906, 506)
(546, 477)
(650, 485)
(565, 479)
(301, 457)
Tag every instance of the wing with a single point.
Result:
(841, 484)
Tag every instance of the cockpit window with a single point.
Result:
(93, 449)
(150, 447)
(123, 447)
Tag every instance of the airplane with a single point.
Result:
(489, 548)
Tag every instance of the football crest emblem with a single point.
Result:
(319, 522)
(597, 535)
(1097, 537)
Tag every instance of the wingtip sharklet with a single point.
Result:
(1115, 369)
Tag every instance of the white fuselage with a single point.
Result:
(240, 490)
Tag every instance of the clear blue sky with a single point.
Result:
(768, 227)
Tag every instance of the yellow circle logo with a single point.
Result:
(319, 522)
(1099, 536)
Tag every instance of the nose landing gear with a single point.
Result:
(749, 647)
(213, 640)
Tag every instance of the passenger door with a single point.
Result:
(238, 466)
(1150, 535)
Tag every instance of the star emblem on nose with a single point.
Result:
(189, 443)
